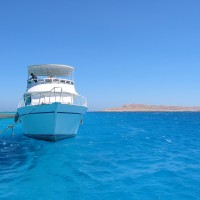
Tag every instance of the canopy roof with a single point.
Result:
(50, 70)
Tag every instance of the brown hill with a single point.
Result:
(153, 108)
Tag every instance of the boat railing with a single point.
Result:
(56, 94)
(39, 81)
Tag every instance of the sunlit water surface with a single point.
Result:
(139, 156)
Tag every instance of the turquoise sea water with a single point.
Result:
(127, 156)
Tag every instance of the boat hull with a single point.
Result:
(51, 121)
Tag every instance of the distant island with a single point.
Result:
(153, 108)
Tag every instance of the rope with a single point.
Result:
(13, 125)
(10, 126)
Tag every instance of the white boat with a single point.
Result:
(51, 109)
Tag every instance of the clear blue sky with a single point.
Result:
(123, 51)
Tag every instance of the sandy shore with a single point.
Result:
(153, 108)
(6, 116)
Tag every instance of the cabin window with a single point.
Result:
(48, 80)
(27, 101)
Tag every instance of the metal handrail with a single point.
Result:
(40, 81)
(43, 96)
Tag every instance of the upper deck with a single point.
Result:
(39, 81)
(50, 73)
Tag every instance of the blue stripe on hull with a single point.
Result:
(51, 112)
(50, 137)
